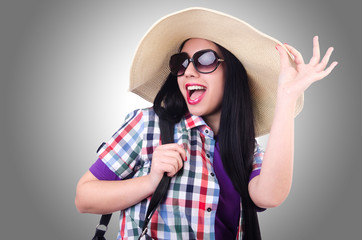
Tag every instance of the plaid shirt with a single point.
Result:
(190, 206)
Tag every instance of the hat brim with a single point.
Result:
(255, 50)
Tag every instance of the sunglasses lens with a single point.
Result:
(179, 63)
(205, 61)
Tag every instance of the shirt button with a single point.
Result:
(212, 174)
(209, 209)
(207, 131)
(208, 155)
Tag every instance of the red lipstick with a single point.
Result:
(195, 93)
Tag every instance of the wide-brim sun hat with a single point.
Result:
(255, 50)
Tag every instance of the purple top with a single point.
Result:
(228, 209)
(100, 170)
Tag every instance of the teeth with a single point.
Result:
(191, 88)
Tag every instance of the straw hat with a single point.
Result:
(255, 50)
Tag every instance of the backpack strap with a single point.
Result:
(102, 227)
(167, 132)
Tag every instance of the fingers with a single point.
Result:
(170, 162)
(327, 71)
(323, 64)
(296, 79)
(173, 148)
(284, 61)
(168, 158)
(315, 61)
(316, 52)
(298, 58)
(321, 67)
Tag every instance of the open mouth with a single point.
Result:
(195, 93)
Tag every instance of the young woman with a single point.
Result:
(226, 84)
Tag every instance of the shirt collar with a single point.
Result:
(192, 121)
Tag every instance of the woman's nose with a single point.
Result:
(191, 71)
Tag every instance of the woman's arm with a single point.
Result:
(272, 186)
(102, 197)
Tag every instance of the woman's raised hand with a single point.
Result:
(295, 80)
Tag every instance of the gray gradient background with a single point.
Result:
(64, 78)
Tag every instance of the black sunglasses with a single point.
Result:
(204, 61)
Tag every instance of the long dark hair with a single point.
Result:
(237, 137)
(169, 103)
(236, 133)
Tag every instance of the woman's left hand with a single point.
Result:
(272, 186)
(295, 80)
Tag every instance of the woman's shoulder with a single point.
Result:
(149, 118)
(144, 113)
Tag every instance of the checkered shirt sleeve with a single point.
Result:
(122, 152)
(258, 159)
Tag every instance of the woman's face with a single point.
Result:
(202, 92)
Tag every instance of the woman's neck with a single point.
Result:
(213, 121)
